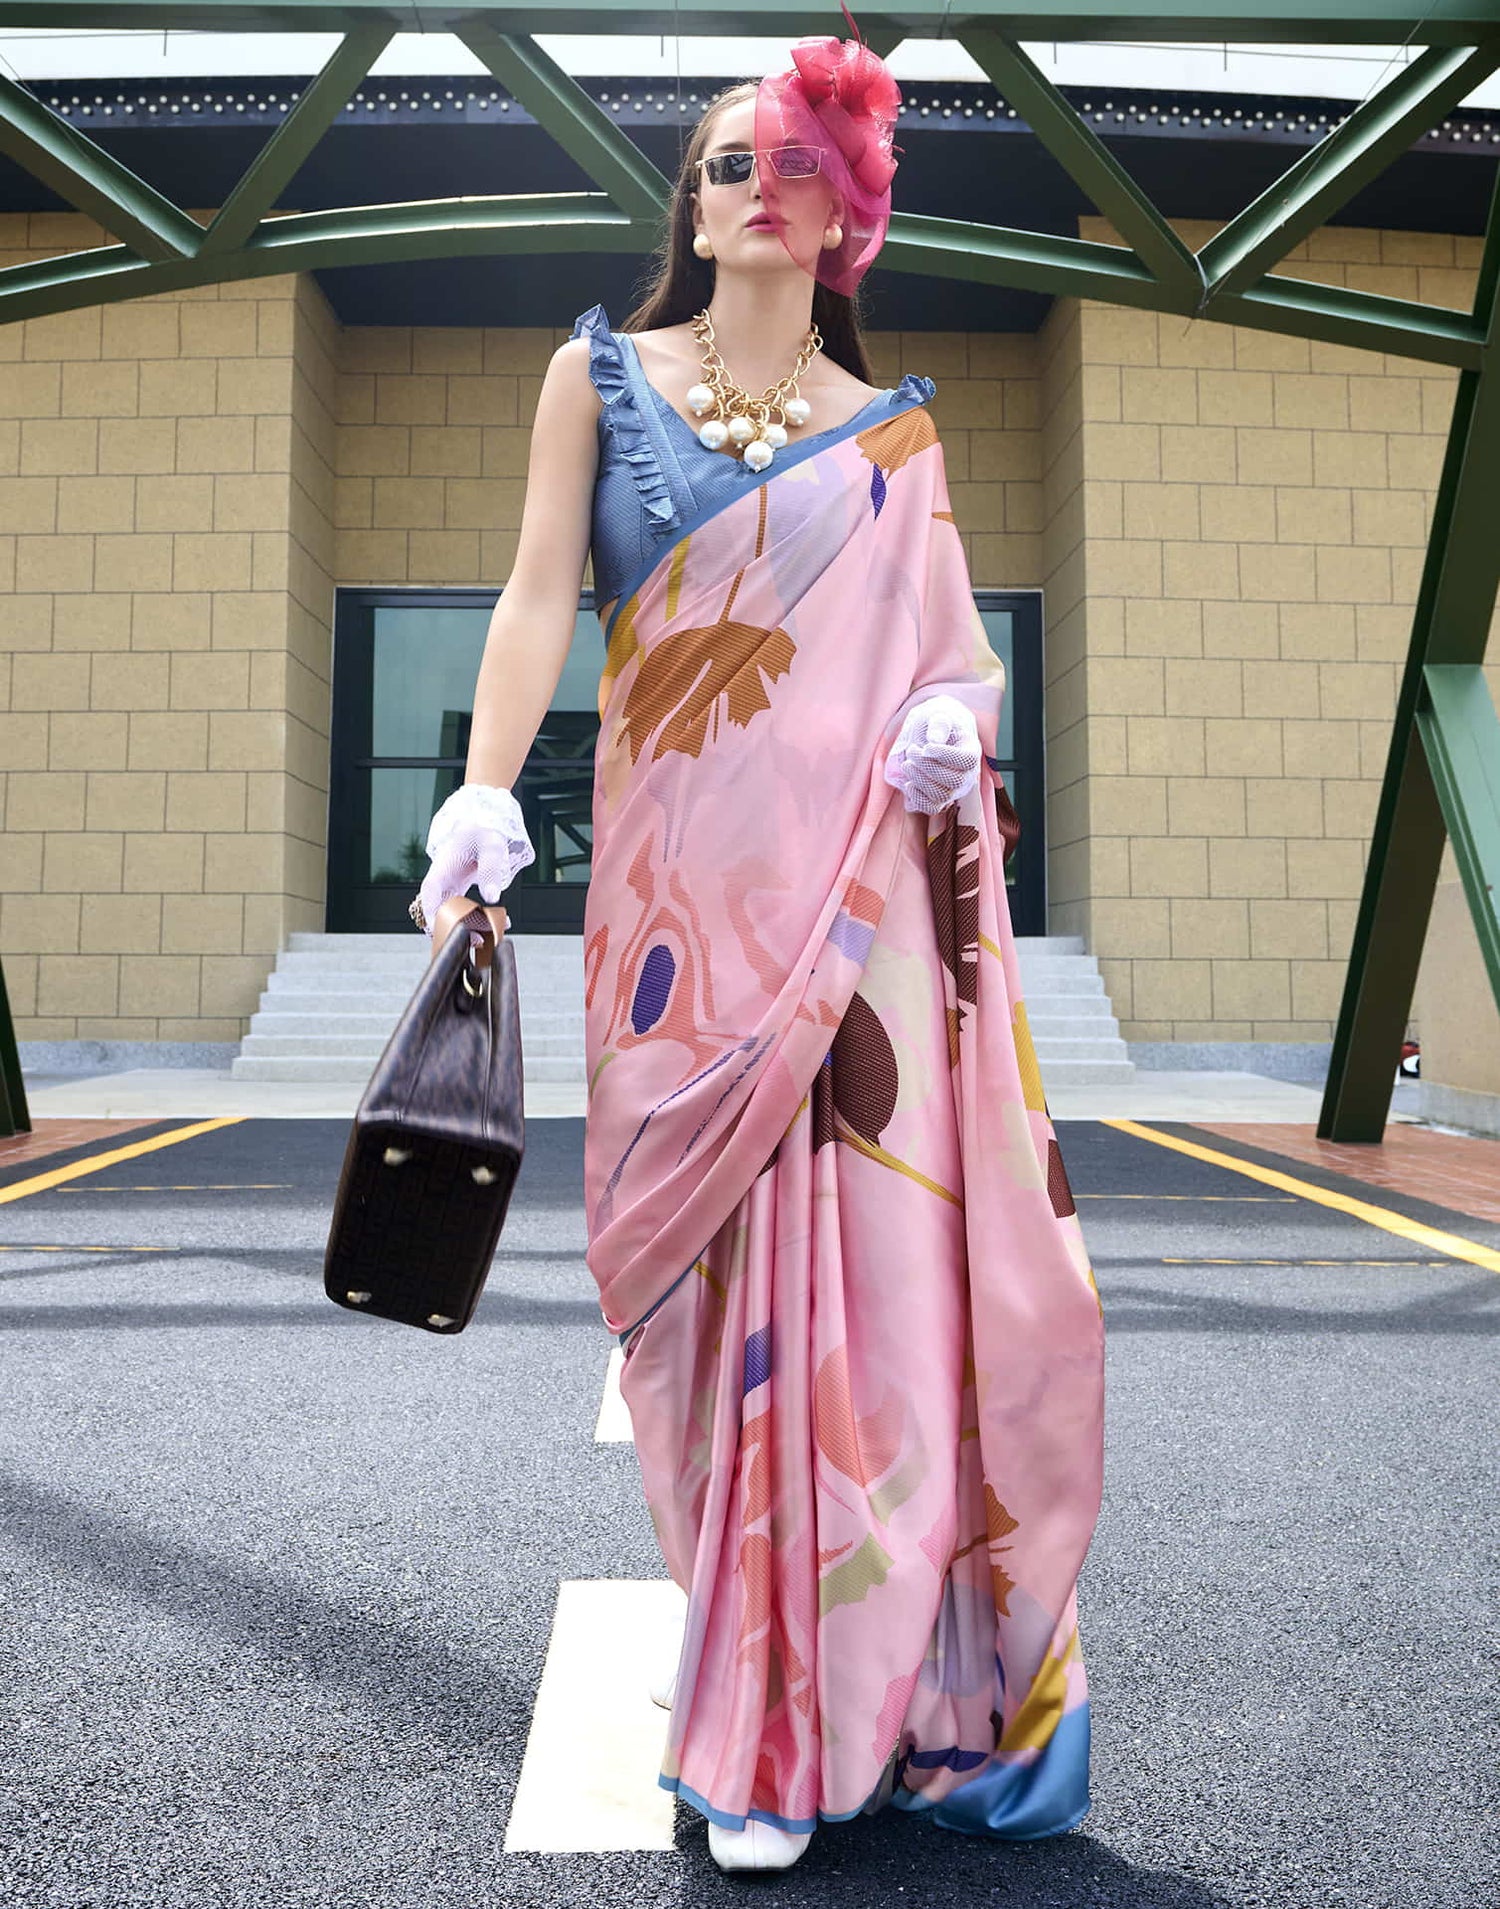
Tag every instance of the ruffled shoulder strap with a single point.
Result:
(606, 359)
(914, 390)
(621, 415)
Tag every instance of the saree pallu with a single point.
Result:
(827, 1213)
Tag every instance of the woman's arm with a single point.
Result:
(533, 622)
(478, 834)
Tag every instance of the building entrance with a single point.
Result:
(405, 665)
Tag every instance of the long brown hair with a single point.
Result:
(678, 283)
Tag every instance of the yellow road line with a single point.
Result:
(88, 1249)
(194, 1186)
(1210, 1199)
(1304, 1262)
(1453, 1244)
(39, 1183)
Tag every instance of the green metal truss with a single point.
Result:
(1443, 774)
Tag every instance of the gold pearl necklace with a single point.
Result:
(756, 428)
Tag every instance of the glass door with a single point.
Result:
(1013, 622)
(405, 666)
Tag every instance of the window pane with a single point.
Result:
(556, 793)
(578, 686)
(999, 626)
(402, 804)
(424, 666)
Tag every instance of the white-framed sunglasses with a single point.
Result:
(787, 162)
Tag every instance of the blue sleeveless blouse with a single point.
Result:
(654, 476)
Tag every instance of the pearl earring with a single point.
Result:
(833, 238)
(703, 245)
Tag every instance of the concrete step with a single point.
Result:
(1049, 1033)
(1080, 982)
(1061, 965)
(1108, 1048)
(1057, 1074)
(332, 1001)
(350, 1043)
(358, 985)
(336, 1068)
(1048, 945)
(306, 1013)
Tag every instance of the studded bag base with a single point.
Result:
(436, 1144)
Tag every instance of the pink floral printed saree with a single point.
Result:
(827, 1212)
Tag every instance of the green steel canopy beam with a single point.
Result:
(1451, 625)
(87, 177)
(1461, 737)
(553, 222)
(1323, 23)
(1377, 132)
(275, 166)
(1086, 159)
(586, 133)
(942, 248)
(357, 235)
(1305, 308)
(1005, 255)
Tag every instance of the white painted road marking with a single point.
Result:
(588, 1781)
(614, 1416)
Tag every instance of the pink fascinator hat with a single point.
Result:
(839, 98)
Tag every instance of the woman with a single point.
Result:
(826, 1210)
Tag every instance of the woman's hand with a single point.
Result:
(937, 757)
(452, 912)
(477, 837)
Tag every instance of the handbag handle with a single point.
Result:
(492, 922)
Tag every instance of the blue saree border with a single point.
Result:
(793, 1825)
(911, 384)
(1007, 1802)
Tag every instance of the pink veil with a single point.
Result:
(841, 98)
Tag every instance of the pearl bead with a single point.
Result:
(797, 410)
(758, 454)
(775, 436)
(714, 435)
(741, 430)
(700, 399)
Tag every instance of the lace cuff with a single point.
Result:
(621, 415)
(474, 806)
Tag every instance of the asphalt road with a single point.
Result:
(277, 1582)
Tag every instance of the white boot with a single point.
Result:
(664, 1682)
(756, 1846)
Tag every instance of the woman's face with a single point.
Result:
(806, 208)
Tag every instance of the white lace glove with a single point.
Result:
(937, 757)
(477, 836)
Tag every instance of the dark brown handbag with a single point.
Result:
(436, 1144)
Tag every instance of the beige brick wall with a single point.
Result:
(164, 550)
(1232, 563)
(434, 428)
